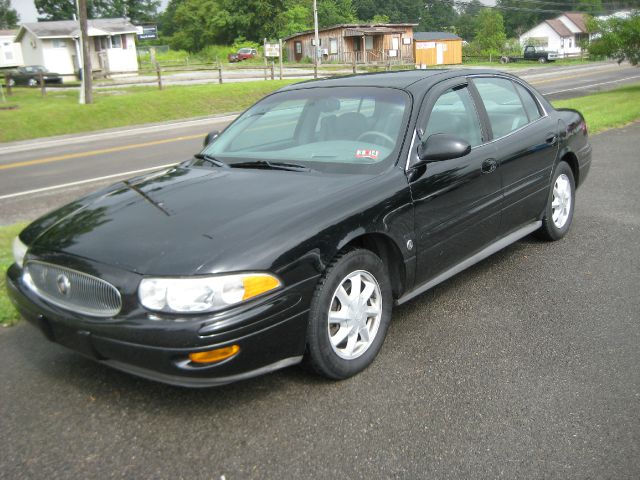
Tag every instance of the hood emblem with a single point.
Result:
(63, 284)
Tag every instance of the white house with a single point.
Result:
(563, 34)
(56, 45)
(10, 52)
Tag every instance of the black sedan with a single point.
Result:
(292, 235)
(30, 76)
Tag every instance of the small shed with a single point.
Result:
(437, 48)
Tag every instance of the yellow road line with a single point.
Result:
(102, 151)
(568, 77)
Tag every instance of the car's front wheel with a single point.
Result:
(349, 316)
(542, 60)
(558, 213)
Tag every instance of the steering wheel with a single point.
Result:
(375, 133)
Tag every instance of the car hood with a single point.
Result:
(188, 220)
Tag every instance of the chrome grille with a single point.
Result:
(73, 290)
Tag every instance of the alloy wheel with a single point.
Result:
(561, 202)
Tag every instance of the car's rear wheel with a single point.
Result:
(558, 213)
(349, 316)
(32, 82)
(12, 82)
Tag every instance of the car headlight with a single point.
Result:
(19, 251)
(203, 294)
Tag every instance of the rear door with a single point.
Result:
(526, 143)
(456, 202)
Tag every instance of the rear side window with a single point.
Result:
(503, 105)
(530, 105)
(455, 113)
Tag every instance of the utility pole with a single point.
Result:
(86, 93)
(316, 57)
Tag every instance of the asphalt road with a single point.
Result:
(525, 366)
(51, 163)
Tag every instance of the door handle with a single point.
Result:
(552, 139)
(489, 165)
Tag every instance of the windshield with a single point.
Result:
(338, 129)
(244, 50)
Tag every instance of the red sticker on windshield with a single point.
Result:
(372, 154)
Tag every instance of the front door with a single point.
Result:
(456, 202)
(439, 53)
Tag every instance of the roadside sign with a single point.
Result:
(147, 32)
(271, 50)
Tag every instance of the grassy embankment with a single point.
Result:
(596, 108)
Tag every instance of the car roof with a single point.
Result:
(406, 80)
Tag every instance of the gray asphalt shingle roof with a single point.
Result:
(431, 36)
(71, 28)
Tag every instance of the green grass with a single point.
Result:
(59, 112)
(606, 110)
(8, 315)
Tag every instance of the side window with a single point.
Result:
(455, 113)
(530, 105)
(503, 105)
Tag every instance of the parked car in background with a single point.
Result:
(294, 232)
(30, 76)
(532, 53)
(243, 54)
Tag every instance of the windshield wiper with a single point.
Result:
(292, 167)
(211, 160)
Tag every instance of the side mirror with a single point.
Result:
(442, 146)
(211, 136)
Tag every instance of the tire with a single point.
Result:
(558, 213)
(542, 60)
(32, 82)
(336, 344)
(12, 82)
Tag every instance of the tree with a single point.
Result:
(9, 18)
(334, 12)
(139, 11)
(438, 15)
(398, 11)
(58, 9)
(490, 35)
(619, 38)
(466, 23)
(166, 23)
(297, 17)
(520, 16)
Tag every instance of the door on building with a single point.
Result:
(439, 53)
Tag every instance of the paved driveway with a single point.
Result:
(525, 366)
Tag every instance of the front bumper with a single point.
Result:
(271, 334)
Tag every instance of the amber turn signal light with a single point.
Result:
(255, 285)
(212, 356)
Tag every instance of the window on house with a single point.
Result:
(8, 55)
(570, 43)
(116, 41)
(124, 42)
(298, 47)
(57, 43)
(333, 45)
(368, 43)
